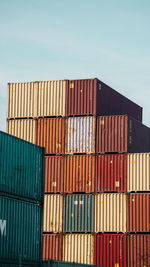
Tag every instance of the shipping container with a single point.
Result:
(19, 264)
(110, 250)
(78, 213)
(21, 168)
(138, 212)
(119, 134)
(50, 133)
(22, 100)
(111, 173)
(52, 247)
(110, 212)
(51, 98)
(20, 230)
(138, 172)
(138, 250)
(79, 173)
(93, 97)
(51, 263)
(78, 248)
(53, 212)
(54, 174)
(80, 135)
(22, 128)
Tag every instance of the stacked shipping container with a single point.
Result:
(87, 129)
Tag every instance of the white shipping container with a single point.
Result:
(110, 212)
(138, 172)
(78, 248)
(23, 128)
(80, 135)
(53, 211)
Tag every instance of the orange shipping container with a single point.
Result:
(138, 212)
(52, 247)
(51, 135)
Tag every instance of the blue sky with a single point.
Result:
(59, 39)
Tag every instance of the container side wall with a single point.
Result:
(52, 247)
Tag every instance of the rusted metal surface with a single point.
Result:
(138, 212)
(50, 133)
(52, 247)
(111, 173)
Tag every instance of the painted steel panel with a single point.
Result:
(64, 264)
(138, 172)
(119, 134)
(138, 212)
(52, 247)
(21, 168)
(138, 250)
(22, 128)
(110, 212)
(111, 173)
(110, 250)
(54, 174)
(78, 248)
(78, 213)
(52, 97)
(79, 173)
(50, 133)
(20, 230)
(80, 135)
(22, 100)
(53, 212)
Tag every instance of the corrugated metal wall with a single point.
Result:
(78, 248)
(110, 212)
(80, 135)
(53, 211)
(78, 213)
(52, 247)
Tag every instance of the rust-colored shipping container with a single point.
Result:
(138, 212)
(138, 250)
(79, 173)
(110, 250)
(52, 247)
(93, 97)
(50, 134)
(111, 173)
(119, 134)
(54, 174)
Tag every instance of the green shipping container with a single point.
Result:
(21, 168)
(20, 231)
(51, 263)
(78, 213)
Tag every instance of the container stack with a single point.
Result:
(97, 180)
(21, 190)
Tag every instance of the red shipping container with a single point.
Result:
(111, 173)
(52, 247)
(138, 212)
(121, 134)
(79, 174)
(50, 133)
(93, 97)
(54, 174)
(138, 250)
(110, 250)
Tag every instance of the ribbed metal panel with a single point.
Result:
(22, 100)
(21, 168)
(80, 135)
(78, 248)
(138, 172)
(78, 213)
(52, 247)
(22, 128)
(110, 212)
(20, 230)
(51, 100)
(53, 208)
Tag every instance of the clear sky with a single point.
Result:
(60, 39)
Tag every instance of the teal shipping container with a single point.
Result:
(51, 263)
(21, 168)
(78, 213)
(20, 231)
